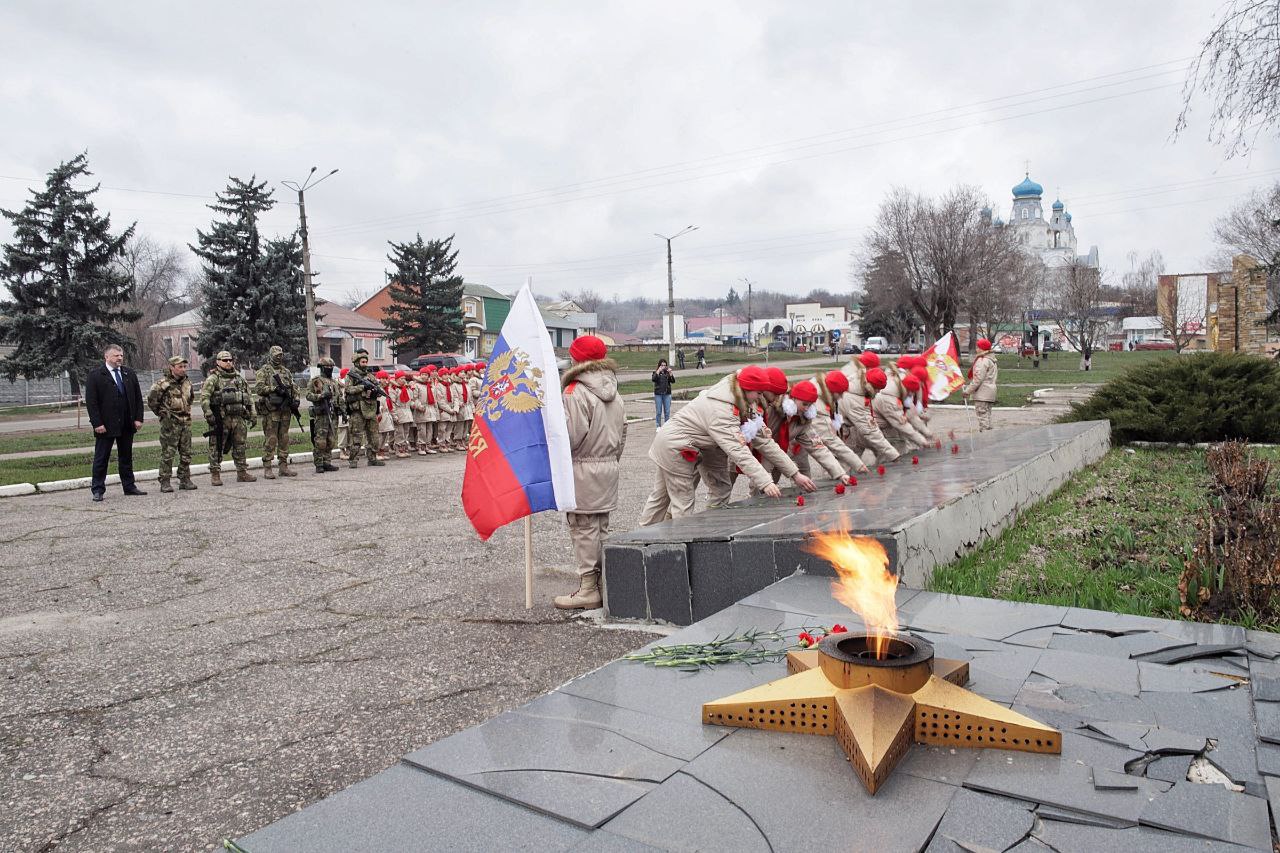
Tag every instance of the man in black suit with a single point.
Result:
(114, 400)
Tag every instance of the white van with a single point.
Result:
(876, 344)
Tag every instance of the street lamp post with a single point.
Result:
(313, 343)
(671, 294)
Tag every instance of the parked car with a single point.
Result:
(913, 349)
(877, 344)
(1154, 343)
(851, 349)
(777, 346)
(439, 359)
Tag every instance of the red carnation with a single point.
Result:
(955, 448)
(807, 640)
(853, 481)
(689, 455)
(880, 470)
(915, 460)
(839, 488)
(839, 629)
(800, 500)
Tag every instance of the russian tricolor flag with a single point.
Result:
(518, 458)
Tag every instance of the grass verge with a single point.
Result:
(628, 360)
(1116, 538)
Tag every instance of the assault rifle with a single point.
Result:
(324, 409)
(215, 431)
(369, 385)
(288, 395)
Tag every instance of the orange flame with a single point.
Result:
(863, 582)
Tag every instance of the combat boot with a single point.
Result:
(243, 476)
(329, 466)
(320, 469)
(286, 471)
(586, 598)
(186, 486)
(215, 477)
(354, 462)
(165, 487)
(267, 472)
(377, 460)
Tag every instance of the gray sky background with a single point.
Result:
(555, 138)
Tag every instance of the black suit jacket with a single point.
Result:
(105, 404)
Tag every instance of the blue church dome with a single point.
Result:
(1058, 205)
(1028, 189)
(1068, 217)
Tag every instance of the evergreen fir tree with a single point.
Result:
(253, 296)
(67, 298)
(425, 314)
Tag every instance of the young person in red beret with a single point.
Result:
(981, 386)
(859, 429)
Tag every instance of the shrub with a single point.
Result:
(1192, 398)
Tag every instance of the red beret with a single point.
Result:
(342, 374)
(777, 380)
(753, 378)
(805, 392)
(426, 369)
(876, 378)
(984, 344)
(910, 361)
(382, 374)
(837, 382)
(400, 374)
(922, 373)
(911, 383)
(587, 348)
(869, 359)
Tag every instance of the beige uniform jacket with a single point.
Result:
(802, 440)
(597, 433)
(982, 386)
(887, 406)
(401, 411)
(465, 409)
(447, 400)
(418, 401)
(712, 420)
(825, 429)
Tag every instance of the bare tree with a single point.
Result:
(354, 297)
(1073, 300)
(1140, 284)
(1000, 296)
(586, 299)
(1184, 309)
(1252, 227)
(885, 313)
(946, 247)
(160, 286)
(1238, 69)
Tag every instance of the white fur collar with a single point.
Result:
(750, 429)
(837, 422)
(789, 406)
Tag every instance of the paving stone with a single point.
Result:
(577, 759)
(1194, 652)
(1030, 845)
(1065, 781)
(1158, 678)
(1110, 780)
(1110, 674)
(1211, 811)
(1066, 838)
(1128, 735)
(1263, 644)
(1268, 714)
(1170, 768)
(977, 617)
(1112, 623)
(1166, 741)
(1123, 646)
(975, 820)
(1053, 813)
(1265, 688)
(1000, 675)
(1223, 715)
(625, 596)
(683, 813)
(403, 808)
(602, 841)
(711, 570)
(666, 574)
(1037, 638)
(785, 781)
(1268, 759)
(939, 763)
(1273, 799)
(1089, 704)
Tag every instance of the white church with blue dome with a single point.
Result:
(1052, 240)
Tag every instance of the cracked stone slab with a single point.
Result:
(1162, 740)
(601, 841)
(1195, 652)
(980, 821)
(388, 811)
(1263, 644)
(1062, 815)
(786, 781)
(1110, 780)
(811, 594)
(1211, 811)
(978, 617)
(1000, 675)
(1226, 716)
(1085, 703)
(1268, 757)
(1124, 646)
(1158, 678)
(1065, 781)
(1265, 688)
(1067, 838)
(1170, 768)
(685, 811)
(577, 759)
(1109, 674)
(1268, 714)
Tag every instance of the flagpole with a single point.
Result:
(528, 562)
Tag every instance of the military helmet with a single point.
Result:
(224, 355)
(325, 362)
(277, 350)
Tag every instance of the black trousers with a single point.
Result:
(102, 457)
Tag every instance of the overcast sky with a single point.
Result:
(554, 139)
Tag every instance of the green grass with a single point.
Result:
(66, 438)
(1062, 368)
(649, 360)
(43, 468)
(1116, 538)
(9, 413)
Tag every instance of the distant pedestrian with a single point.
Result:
(702, 357)
(663, 379)
(680, 357)
(982, 384)
(114, 400)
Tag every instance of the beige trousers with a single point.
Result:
(865, 434)
(983, 411)
(672, 496)
(587, 531)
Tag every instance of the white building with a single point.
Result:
(1139, 329)
(1053, 240)
(808, 324)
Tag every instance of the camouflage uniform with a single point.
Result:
(276, 401)
(362, 410)
(325, 396)
(225, 397)
(170, 400)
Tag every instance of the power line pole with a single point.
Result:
(671, 295)
(313, 342)
(751, 335)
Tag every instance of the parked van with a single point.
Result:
(877, 344)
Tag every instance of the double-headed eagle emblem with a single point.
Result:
(511, 385)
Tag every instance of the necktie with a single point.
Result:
(119, 381)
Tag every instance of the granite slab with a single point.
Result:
(1213, 812)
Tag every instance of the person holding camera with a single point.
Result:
(663, 379)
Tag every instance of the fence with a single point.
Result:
(36, 392)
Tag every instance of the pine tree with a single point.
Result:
(425, 314)
(67, 297)
(252, 289)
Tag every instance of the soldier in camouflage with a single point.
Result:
(325, 396)
(277, 397)
(226, 402)
(363, 397)
(170, 400)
